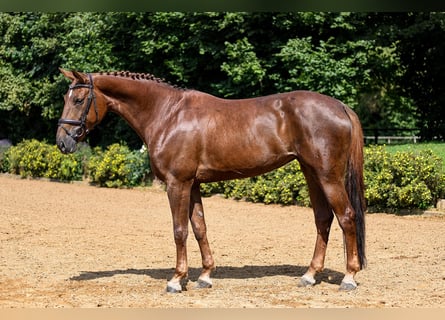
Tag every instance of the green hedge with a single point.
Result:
(116, 166)
(32, 158)
(285, 185)
(404, 179)
(394, 181)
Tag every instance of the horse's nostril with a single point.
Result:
(62, 146)
(66, 144)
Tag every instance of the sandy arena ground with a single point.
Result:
(74, 245)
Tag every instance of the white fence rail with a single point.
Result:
(392, 139)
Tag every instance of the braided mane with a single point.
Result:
(140, 76)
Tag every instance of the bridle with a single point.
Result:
(82, 122)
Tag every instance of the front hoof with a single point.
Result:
(348, 286)
(176, 287)
(306, 281)
(173, 289)
(204, 284)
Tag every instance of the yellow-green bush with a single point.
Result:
(31, 158)
(404, 179)
(115, 167)
(400, 180)
(285, 185)
(118, 166)
(393, 181)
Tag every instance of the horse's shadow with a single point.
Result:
(222, 272)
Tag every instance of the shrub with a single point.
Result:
(409, 179)
(394, 180)
(285, 185)
(31, 158)
(4, 163)
(62, 167)
(117, 166)
(28, 158)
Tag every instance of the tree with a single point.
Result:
(387, 66)
(34, 46)
(422, 50)
(27, 53)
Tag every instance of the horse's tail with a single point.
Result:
(355, 186)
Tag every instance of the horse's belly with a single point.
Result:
(237, 169)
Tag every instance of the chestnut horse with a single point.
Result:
(193, 137)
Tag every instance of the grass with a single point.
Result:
(437, 148)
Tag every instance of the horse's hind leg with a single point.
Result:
(323, 220)
(339, 201)
(200, 231)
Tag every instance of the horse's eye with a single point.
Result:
(78, 101)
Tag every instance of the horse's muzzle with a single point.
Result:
(66, 143)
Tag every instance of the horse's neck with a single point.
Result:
(140, 102)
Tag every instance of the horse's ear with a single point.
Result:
(74, 75)
(67, 74)
(82, 78)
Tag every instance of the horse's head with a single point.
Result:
(83, 109)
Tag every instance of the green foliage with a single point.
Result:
(4, 162)
(118, 166)
(327, 67)
(437, 148)
(243, 68)
(404, 179)
(364, 59)
(421, 48)
(398, 180)
(32, 158)
(394, 179)
(34, 45)
(86, 36)
(285, 185)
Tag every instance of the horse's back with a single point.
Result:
(246, 137)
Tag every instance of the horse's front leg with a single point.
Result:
(200, 231)
(179, 198)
